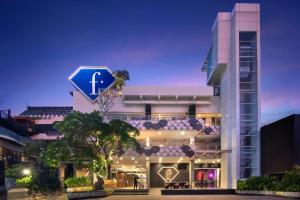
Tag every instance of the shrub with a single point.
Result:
(25, 181)
(15, 171)
(290, 182)
(80, 181)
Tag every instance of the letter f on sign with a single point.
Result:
(94, 82)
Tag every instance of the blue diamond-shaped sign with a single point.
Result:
(90, 81)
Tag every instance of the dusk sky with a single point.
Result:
(160, 42)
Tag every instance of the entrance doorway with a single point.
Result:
(206, 178)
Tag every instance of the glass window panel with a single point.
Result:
(248, 87)
(248, 97)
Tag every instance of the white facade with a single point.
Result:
(227, 68)
(233, 66)
(225, 114)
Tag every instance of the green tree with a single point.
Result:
(88, 138)
(106, 99)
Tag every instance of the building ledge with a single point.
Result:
(215, 76)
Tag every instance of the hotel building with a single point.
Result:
(206, 136)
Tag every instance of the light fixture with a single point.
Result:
(182, 133)
(170, 178)
(26, 172)
(117, 162)
(180, 159)
(121, 158)
(161, 145)
(132, 158)
(147, 158)
(159, 159)
(218, 160)
(159, 132)
(135, 161)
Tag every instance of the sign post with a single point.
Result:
(91, 81)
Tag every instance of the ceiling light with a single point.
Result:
(182, 133)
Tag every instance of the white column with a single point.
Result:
(147, 141)
(148, 173)
(191, 172)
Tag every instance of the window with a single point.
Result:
(248, 103)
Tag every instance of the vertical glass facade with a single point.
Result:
(248, 103)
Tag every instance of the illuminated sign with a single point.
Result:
(168, 173)
(91, 80)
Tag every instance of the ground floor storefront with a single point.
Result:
(156, 172)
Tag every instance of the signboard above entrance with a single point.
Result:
(92, 80)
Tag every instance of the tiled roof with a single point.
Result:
(47, 110)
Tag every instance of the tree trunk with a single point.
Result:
(108, 171)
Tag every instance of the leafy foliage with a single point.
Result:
(105, 101)
(289, 182)
(25, 181)
(15, 171)
(121, 77)
(77, 181)
(88, 138)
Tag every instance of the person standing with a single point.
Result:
(135, 182)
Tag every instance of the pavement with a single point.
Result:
(154, 194)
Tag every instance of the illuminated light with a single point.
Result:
(206, 124)
(219, 115)
(182, 133)
(135, 161)
(120, 92)
(159, 159)
(26, 172)
(131, 134)
(214, 161)
(180, 159)
(132, 158)
(110, 158)
(147, 141)
(218, 160)
(121, 158)
(159, 132)
(147, 158)
(117, 162)
(211, 175)
(159, 116)
(199, 115)
(161, 145)
(169, 168)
